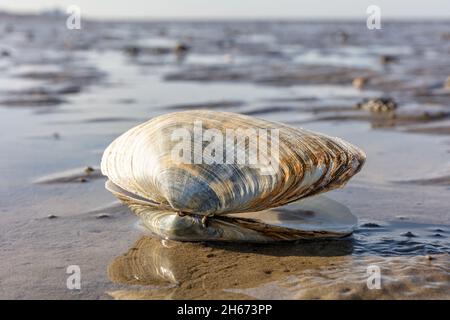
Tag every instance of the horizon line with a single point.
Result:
(120, 18)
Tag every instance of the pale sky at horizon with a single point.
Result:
(139, 9)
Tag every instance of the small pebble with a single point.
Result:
(430, 258)
(343, 36)
(267, 271)
(370, 225)
(88, 170)
(181, 48)
(210, 255)
(52, 216)
(102, 216)
(359, 82)
(447, 83)
(133, 51)
(5, 53)
(409, 234)
(385, 59)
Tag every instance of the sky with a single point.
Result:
(211, 9)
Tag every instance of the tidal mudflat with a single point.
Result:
(65, 95)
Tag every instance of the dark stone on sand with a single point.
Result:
(132, 50)
(386, 59)
(181, 48)
(52, 216)
(89, 170)
(345, 290)
(5, 53)
(68, 90)
(438, 235)
(343, 37)
(267, 271)
(370, 225)
(408, 234)
(103, 216)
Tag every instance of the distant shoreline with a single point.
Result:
(57, 13)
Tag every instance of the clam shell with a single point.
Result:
(311, 218)
(140, 164)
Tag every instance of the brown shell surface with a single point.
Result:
(141, 163)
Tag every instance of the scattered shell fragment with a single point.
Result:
(359, 82)
(377, 105)
(447, 83)
(172, 198)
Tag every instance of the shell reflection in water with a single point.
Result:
(172, 197)
(164, 269)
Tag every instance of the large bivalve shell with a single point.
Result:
(141, 163)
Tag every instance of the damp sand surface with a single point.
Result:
(65, 96)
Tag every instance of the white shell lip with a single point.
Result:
(316, 217)
(317, 213)
(309, 220)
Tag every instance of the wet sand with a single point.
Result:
(65, 96)
(155, 269)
